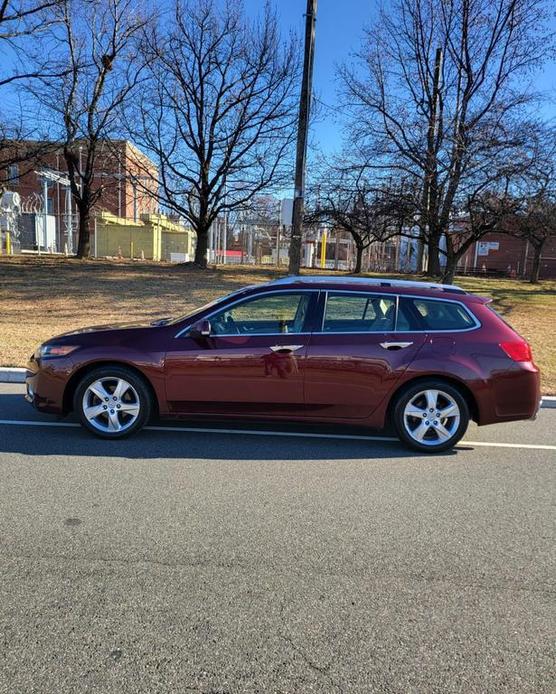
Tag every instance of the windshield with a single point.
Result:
(214, 302)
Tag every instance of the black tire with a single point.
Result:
(431, 444)
(139, 394)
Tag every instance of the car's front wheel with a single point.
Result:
(431, 416)
(112, 402)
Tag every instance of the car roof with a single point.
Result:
(347, 282)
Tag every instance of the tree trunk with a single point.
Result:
(201, 248)
(84, 244)
(433, 261)
(449, 271)
(536, 267)
(358, 258)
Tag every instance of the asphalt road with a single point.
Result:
(184, 561)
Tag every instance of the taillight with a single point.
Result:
(517, 350)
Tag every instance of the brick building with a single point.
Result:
(127, 178)
(509, 255)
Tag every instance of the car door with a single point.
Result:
(252, 362)
(356, 358)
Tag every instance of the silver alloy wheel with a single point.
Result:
(431, 417)
(111, 404)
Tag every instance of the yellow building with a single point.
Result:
(153, 236)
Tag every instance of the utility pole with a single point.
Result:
(430, 161)
(302, 133)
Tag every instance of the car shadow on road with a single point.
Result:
(169, 444)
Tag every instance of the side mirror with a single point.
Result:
(200, 329)
(205, 328)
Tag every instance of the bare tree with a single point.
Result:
(489, 206)
(538, 225)
(20, 20)
(218, 114)
(20, 23)
(535, 221)
(484, 212)
(98, 40)
(439, 98)
(24, 17)
(344, 198)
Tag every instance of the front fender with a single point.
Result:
(149, 365)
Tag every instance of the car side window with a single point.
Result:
(359, 313)
(271, 314)
(423, 314)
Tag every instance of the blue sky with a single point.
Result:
(338, 33)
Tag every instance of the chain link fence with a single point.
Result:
(156, 237)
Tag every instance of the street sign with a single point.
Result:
(483, 247)
(286, 211)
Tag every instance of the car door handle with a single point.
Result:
(286, 349)
(395, 345)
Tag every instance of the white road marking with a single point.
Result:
(28, 423)
(295, 434)
(539, 446)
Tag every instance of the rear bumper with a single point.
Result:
(537, 412)
(512, 395)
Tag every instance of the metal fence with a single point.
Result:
(321, 249)
(159, 238)
(247, 244)
(36, 232)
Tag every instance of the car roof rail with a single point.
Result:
(370, 281)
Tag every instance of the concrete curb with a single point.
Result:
(13, 375)
(10, 375)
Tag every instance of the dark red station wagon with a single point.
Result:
(425, 358)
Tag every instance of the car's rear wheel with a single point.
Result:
(431, 416)
(112, 402)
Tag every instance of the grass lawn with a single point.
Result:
(41, 297)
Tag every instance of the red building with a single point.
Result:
(128, 181)
(509, 255)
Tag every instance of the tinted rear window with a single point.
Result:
(359, 313)
(426, 314)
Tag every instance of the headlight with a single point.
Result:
(55, 350)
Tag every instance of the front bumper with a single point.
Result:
(44, 388)
(29, 392)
